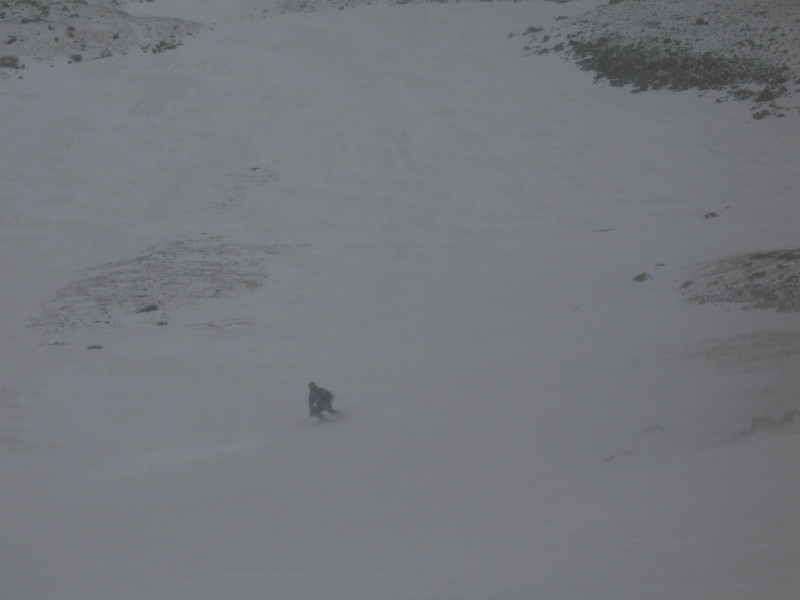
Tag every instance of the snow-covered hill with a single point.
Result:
(76, 30)
(527, 291)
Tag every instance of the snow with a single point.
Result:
(399, 204)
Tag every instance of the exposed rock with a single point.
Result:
(163, 278)
(744, 50)
(77, 30)
(767, 280)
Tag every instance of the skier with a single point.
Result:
(319, 400)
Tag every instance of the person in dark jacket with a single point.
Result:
(320, 400)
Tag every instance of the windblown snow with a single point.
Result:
(560, 319)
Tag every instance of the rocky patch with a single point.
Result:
(746, 50)
(76, 30)
(161, 279)
(764, 280)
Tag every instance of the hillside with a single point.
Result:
(560, 318)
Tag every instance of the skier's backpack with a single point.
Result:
(325, 397)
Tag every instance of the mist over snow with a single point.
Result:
(560, 319)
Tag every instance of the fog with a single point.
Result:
(396, 203)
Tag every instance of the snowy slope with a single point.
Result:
(76, 30)
(399, 204)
